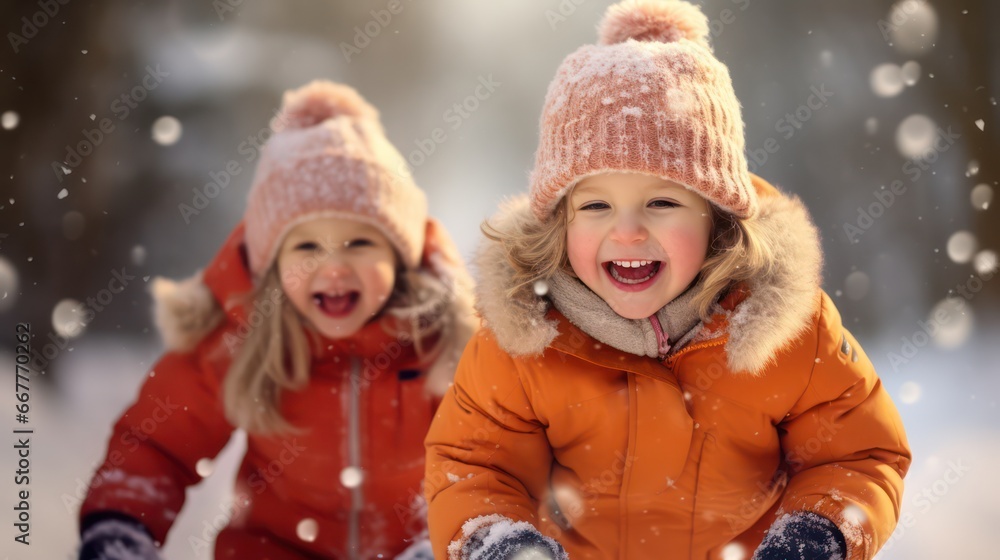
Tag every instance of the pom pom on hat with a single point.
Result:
(650, 98)
(321, 100)
(664, 21)
(329, 157)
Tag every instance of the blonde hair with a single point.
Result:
(736, 253)
(537, 251)
(260, 372)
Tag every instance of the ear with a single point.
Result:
(442, 260)
(440, 254)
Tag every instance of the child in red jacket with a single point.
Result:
(327, 327)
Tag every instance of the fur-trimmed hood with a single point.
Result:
(186, 311)
(774, 309)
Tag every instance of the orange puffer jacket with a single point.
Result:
(347, 486)
(771, 407)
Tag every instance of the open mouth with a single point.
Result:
(631, 274)
(337, 305)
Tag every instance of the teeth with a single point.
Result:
(631, 264)
(614, 273)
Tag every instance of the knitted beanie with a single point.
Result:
(649, 98)
(329, 157)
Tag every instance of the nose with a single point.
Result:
(629, 229)
(334, 266)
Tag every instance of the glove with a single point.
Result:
(802, 536)
(115, 536)
(419, 550)
(503, 539)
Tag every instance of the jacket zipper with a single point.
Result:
(354, 458)
(662, 338)
(671, 360)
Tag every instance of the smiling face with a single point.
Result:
(337, 273)
(636, 240)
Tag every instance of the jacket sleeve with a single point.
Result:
(844, 444)
(486, 448)
(176, 420)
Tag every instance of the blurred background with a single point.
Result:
(116, 116)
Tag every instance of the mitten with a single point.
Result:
(114, 536)
(802, 536)
(494, 537)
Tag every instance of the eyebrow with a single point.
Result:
(584, 189)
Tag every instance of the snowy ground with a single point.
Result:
(947, 399)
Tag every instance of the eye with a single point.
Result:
(663, 204)
(359, 242)
(595, 206)
(306, 246)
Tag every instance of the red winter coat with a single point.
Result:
(368, 404)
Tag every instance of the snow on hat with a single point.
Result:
(329, 157)
(649, 98)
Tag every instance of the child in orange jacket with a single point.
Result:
(660, 374)
(327, 328)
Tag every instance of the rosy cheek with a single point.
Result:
(687, 247)
(581, 250)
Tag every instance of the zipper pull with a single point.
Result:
(662, 338)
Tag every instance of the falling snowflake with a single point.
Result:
(9, 120)
(909, 392)
(307, 529)
(167, 130)
(961, 246)
(541, 288)
(887, 80)
(67, 318)
(204, 467)
(350, 477)
(981, 196)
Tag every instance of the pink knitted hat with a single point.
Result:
(649, 98)
(329, 157)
